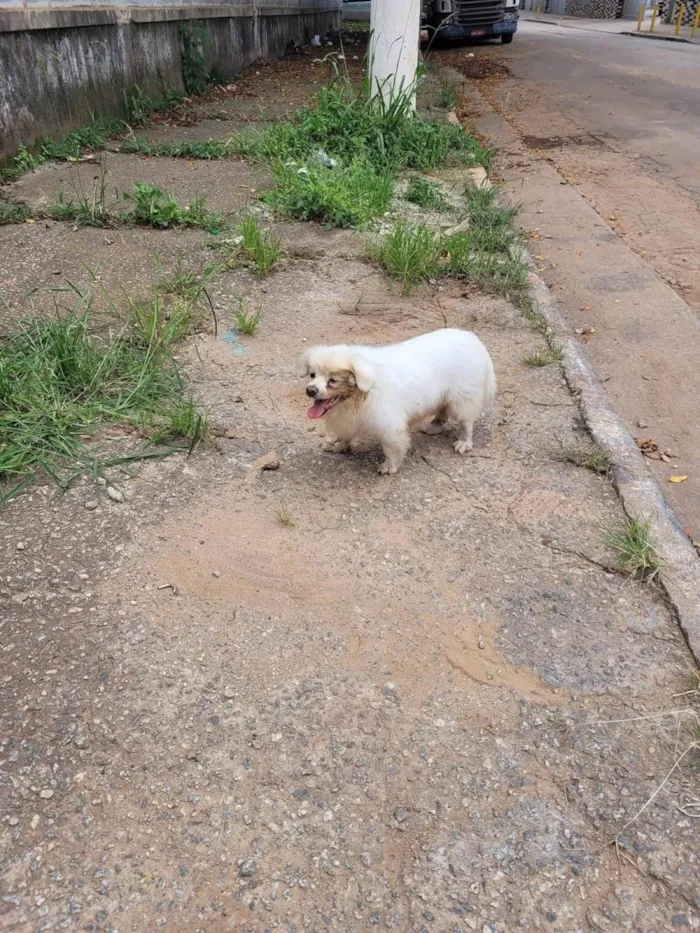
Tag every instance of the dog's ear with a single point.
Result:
(363, 372)
(304, 363)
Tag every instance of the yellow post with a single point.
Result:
(539, 7)
(654, 14)
(696, 22)
(679, 21)
(640, 18)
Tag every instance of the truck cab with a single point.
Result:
(471, 19)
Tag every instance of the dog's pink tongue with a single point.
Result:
(318, 409)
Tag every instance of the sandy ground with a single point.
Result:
(312, 698)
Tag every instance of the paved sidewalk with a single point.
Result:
(268, 689)
(623, 27)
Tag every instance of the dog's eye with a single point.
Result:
(332, 382)
(312, 375)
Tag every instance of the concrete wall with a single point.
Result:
(61, 64)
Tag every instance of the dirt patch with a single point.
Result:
(478, 65)
(557, 142)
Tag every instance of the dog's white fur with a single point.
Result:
(445, 375)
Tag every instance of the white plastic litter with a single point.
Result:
(325, 159)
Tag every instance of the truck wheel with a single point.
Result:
(507, 37)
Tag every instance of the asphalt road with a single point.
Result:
(602, 146)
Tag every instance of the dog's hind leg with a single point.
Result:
(435, 425)
(395, 447)
(464, 412)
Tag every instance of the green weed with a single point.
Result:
(262, 248)
(635, 550)
(196, 51)
(491, 224)
(410, 253)
(348, 125)
(448, 94)
(152, 207)
(587, 455)
(246, 322)
(348, 196)
(89, 209)
(139, 106)
(545, 357)
(59, 383)
(189, 149)
(186, 282)
(184, 421)
(158, 324)
(13, 213)
(426, 194)
(499, 273)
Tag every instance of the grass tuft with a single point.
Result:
(347, 125)
(153, 207)
(206, 149)
(410, 252)
(426, 194)
(587, 455)
(345, 196)
(157, 325)
(492, 225)
(635, 551)
(553, 353)
(449, 94)
(262, 248)
(246, 322)
(140, 107)
(285, 518)
(13, 213)
(183, 421)
(59, 383)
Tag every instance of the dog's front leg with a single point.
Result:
(395, 447)
(339, 445)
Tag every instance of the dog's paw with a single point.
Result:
(387, 468)
(337, 447)
(462, 447)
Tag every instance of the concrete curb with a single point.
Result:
(640, 494)
(652, 35)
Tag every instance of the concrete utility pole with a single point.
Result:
(395, 36)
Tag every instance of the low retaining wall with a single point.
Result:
(61, 65)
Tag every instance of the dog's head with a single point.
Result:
(335, 374)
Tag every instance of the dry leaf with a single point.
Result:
(677, 479)
(540, 258)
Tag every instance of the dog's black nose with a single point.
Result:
(312, 391)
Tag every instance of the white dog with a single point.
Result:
(383, 392)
